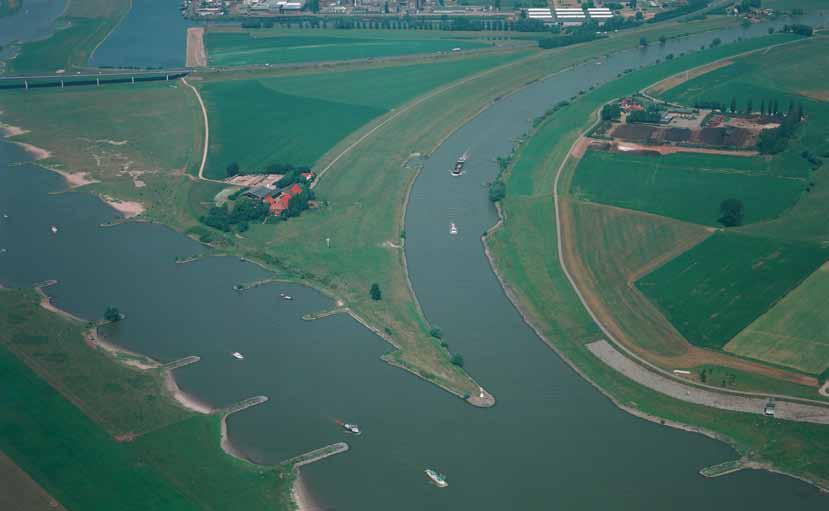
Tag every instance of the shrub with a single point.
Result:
(375, 293)
(457, 360)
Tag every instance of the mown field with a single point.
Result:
(296, 119)
(70, 450)
(83, 25)
(288, 46)
(787, 74)
(616, 246)
(795, 332)
(524, 252)
(713, 291)
(685, 186)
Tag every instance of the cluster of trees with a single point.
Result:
(731, 212)
(611, 112)
(651, 114)
(233, 169)
(580, 36)
(691, 6)
(299, 202)
(375, 293)
(747, 5)
(257, 24)
(497, 188)
(775, 140)
(813, 159)
(799, 29)
(112, 314)
(244, 210)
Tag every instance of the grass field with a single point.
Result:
(795, 332)
(175, 467)
(138, 140)
(83, 26)
(615, 246)
(19, 492)
(118, 401)
(684, 186)
(294, 46)
(297, 119)
(713, 291)
(523, 250)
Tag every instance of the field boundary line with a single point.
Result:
(609, 336)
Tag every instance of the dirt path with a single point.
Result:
(196, 54)
(670, 149)
(206, 133)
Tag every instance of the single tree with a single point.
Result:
(232, 169)
(457, 359)
(762, 107)
(643, 41)
(733, 107)
(436, 332)
(375, 292)
(663, 39)
(749, 107)
(112, 314)
(731, 212)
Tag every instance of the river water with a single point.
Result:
(551, 442)
(35, 20)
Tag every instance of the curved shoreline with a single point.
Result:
(512, 297)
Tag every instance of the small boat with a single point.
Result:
(352, 428)
(437, 478)
(453, 229)
(54, 230)
(457, 170)
(238, 355)
(285, 297)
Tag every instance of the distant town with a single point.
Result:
(552, 12)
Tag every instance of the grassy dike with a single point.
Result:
(364, 186)
(82, 27)
(523, 252)
(64, 407)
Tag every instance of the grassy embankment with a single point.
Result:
(364, 191)
(80, 29)
(62, 403)
(365, 185)
(524, 251)
(232, 46)
(304, 115)
(722, 293)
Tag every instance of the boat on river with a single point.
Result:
(238, 355)
(437, 478)
(286, 297)
(350, 428)
(457, 170)
(54, 229)
(453, 229)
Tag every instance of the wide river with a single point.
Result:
(551, 442)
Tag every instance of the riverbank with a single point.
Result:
(555, 324)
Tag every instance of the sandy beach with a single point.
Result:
(11, 131)
(129, 209)
(300, 495)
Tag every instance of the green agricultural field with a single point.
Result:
(795, 332)
(297, 119)
(713, 291)
(684, 186)
(612, 247)
(80, 29)
(294, 46)
(51, 423)
(524, 252)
